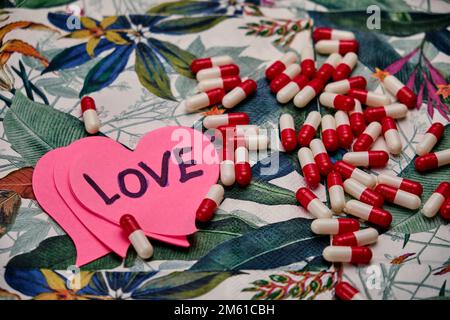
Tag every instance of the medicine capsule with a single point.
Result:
(344, 69)
(309, 128)
(399, 197)
(334, 226)
(337, 101)
(431, 137)
(232, 119)
(90, 116)
(309, 167)
(324, 33)
(379, 145)
(395, 111)
(326, 71)
(307, 64)
(432, 161)
(336, 191)
(367, 138)
(359, 255)
(239, 93)
(356, 117)
(312, 204)
(204, 99)
(360, 192)
(366, 212)
(210, 203)
(436, 200)
(218, 72)
(287, 132)
(227, 175)
(400, 91)
(321, 157)
(308, 92)
(445, 209)
(343, 129)
(280, 65)
(369, 158)
(401, 183)
(336, 46)
(344, 291)
(284, 78)
(288, 92)
(343, 86)
(329, 134)
(136, 236)
(243, 171)
(369, 98)
(226, 83)
(349, 171)
(357, 238)
(255, 142)
(391, 135)
(205, 63)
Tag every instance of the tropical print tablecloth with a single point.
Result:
(133, 57)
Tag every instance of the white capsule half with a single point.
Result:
(433, 204)
(91, 121)
(256, 142)
(209, 84)
(365, 178)
(393, 141)
(339, 87)
(141, 244)
(376, 99)
(288, 92)
(337, 198)
(227, 175)
(197, 102)
(233, 98)
(325, 226)
(318, 209)
(307, 53)
(305, 95)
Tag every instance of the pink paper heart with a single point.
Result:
(112, 181)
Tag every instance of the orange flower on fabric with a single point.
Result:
(443, 90)
(213, 111)
(402, 258)
(380, 74)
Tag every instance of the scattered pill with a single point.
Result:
(205, 63)
(288, 92)
(324, 33)
(336, 46)
(360, 192)
(368, 137)
(243, 171)
(232, 119)
(321, 157)
(136, 236)
(308, 92)
(218, 72)
(432, 161)
(334, 226)
(395, 111)
(431, 137)
(357, 238)
(357, 121)
(309, 167)
(280, 65)
(401, 183)
(445, 209)
(227, 175)
(336, 191)
(284, 78)
(345, 291)
(326, 71)
(349, 171)
(309, 128)
(400, 91)
(337, 101)
(366, 212)
(359, 255)
(436, 200)
(371, 158)
(391, 135)
(343, 86)
(343, 129)
(312, 204)
(210, 203)
(399, 197)
(344, 69)
(90, 115)
(204, 99)
(329, 134)
(369, 98)
(307, 64)
(227, 83)
(287, 132)
(239, 93)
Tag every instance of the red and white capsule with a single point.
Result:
(242, 169)
(367, 212)
(280, 65)
(312, 204)
(336, 191)
(431, 137)
(205, 63)
(326, 71)
(321, 157)
(391, 135)
(362, 237)
(90, 115)
(308, 64)
(357, 121)
(218, 72)
(329, 134)
(287, 132)
(227, 174)
(210, 203)
(401, 183)
(371, 158)
(324, 33)
(284, 78)
(368, 137)
(400, 91)
(239, 93)
(343, 86)
(334, 226)
(336, 46)
(308, 92)
(359, 255)
(309, 128)
(345, 68)
(288, 92)
(445, 209)
(395, 111)
(344, 291)
(436, 200)
(360, 192)
(348, 171)
(432, 161)
(398, 197)
(309, 167)
(204, 99)
(337, 101)
(226, 119)
(226, 83)
(369, 98)
(343, 129)
(138, 239)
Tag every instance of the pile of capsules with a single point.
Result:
(350, 128)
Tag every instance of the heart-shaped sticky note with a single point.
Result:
(161, 183)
